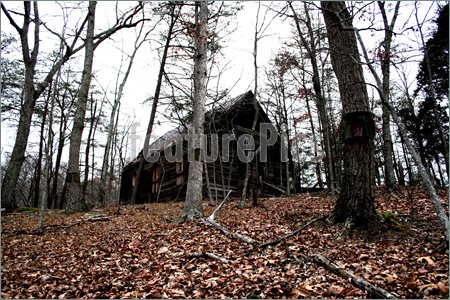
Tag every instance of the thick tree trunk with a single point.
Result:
(74, 193)
(193, 207)
(355, 204)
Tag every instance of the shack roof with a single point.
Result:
(179, 133)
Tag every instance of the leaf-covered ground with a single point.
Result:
(145, 252)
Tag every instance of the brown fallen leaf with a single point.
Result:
(443, 287)
(336, 289)
(426, 259)
(163, 250)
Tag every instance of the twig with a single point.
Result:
(209, 255)
(277, 241)
(213, 215)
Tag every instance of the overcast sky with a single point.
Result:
(142, 80)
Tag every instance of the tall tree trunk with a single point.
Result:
(355, 204)
(387, 147)
(74, 193)
(12, 173)
(193, 207)
(255, 118)
(112, 164)
(173, 19)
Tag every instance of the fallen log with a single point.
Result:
(373, 291)
(277, 241)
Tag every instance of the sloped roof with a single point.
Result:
(179, 133)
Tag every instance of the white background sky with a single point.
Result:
(142, 80)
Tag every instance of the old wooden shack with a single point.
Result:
(165, 179)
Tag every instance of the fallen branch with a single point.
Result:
(213, 215)
(239, 236)
(373, 291)
(277, 241)
(95, 218)
(209, 255)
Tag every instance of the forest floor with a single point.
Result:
(146, 252)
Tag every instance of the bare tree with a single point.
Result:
(74, 193)
(174, 14)
(388, 150)
(29, 57)
(193, 207)
(115, 113)
(260, 29)
(308, 41)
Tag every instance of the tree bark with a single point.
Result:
(355, 204)
(74, 193)
(313, 131)
(193, 208)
